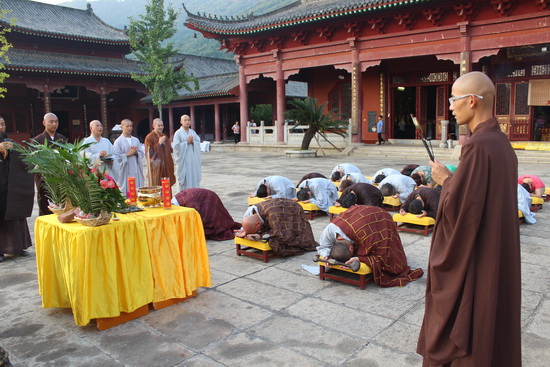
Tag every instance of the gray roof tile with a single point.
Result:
(48, 62)
(298, 12)
(60, 21)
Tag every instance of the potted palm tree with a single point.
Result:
(319, 121)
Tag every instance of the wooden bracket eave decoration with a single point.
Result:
(466, 11)
(277, 41)
(503, 7)
(434, 15)
(325, 32)
(301, 36)
(544, 4)
(276, 54)
(239, 47)
(353, 28)
(224, 44)
(258, 43)
(378, 24)
(352, 43)
(405, 20)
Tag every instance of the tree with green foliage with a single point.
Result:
(147, 35)
(262, 112)
(4, 47)
(308, 112)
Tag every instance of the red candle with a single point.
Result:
(132, 193)
(166, 192)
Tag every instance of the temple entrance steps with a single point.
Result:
(408, 150)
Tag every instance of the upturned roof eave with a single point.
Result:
(66, 71)
(220, 27)
(32, 32)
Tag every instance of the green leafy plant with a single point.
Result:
(147, 36)
(66, 176)
(308, 112)
(4, 47)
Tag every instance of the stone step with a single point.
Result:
(415, 152)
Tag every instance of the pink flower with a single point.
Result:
(111, 185)
(104, 184)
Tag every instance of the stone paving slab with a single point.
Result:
(258, 314)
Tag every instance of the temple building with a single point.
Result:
(395, 58)
(67, 61)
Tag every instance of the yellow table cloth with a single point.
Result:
(177, 246)
(99, 272)
(96, 271)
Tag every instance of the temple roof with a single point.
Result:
(299, 12)
(217, 77)
(49, 62)
(60, 22)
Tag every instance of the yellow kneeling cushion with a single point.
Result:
(260, 245)
(336, 210)
(390, 200)
(255, 200)
(364, 269)
(520, 214)
(308, 206)
(413, 219)
(536, 200)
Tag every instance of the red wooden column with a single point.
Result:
(103, 97)
(217, 128)
(151, 116)
(192, 116)
(465, 67)
(280, 95)
(243, 96)
(356, 82)
(171, 122)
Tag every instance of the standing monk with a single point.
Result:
(49, 135)
(187, 146)
(101, 150)
(473, 290)
(158, 151)
(131, 157)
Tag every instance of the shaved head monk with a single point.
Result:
(368, 234)
(284, 222)
(473, 289)
(50, 134)
(158, 151)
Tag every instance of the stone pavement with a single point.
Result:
(257, 314)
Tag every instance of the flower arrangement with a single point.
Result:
(68, 178)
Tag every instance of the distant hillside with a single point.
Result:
(116, 13)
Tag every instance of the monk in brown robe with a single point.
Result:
(158, 150)
(216, 220)
(283, 221)
(50, 134)
(360, 194)
(372, 238)
(473, 289)
(423, 202)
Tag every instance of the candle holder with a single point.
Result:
(166, 192)
(132, 192)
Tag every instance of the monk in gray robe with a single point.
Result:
(131, 157)
(187, 146)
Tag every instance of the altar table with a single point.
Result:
(155, 255)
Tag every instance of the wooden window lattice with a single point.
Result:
(503, 99)
(522, 91)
